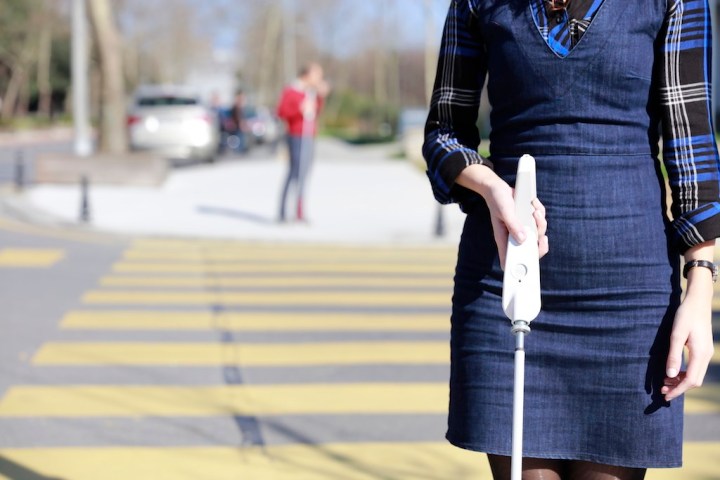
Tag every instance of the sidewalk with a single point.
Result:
(356, 195)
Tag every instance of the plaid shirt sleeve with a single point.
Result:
(451, 134)
(689, 149)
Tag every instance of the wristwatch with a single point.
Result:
(701, 263)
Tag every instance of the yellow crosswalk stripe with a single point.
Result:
(198, 281)
(266, 400)
(315, 298)
(289, 255)
(254, 321)
(30, 257)
(355, 461)
(155, 244)
(306, 268)
(247, 354)
(253, 400)
(347, 461)
(332, 461)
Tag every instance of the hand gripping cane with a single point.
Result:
(521, 294)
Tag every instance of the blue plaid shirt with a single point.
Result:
(689, 149)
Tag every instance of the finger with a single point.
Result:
(540, 222)
(506, 215)
(673, 382)
(502, 249)
(537, 204)
(689, 381)
(669, 384)
(692, 378)
(543, 246)
(674, 360)
(514, 227)
(501, 237)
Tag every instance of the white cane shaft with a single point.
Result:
(518, 405)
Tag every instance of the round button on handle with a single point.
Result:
(519, 271)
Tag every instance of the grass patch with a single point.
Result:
(31, 122)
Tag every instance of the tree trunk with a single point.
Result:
(23, 103)
(271, 43)
(44, 62)
(18, 77)
(12, 92)
(113, 137)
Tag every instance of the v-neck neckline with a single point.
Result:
(546, 40)
(556, 71)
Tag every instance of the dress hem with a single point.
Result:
(580, 456)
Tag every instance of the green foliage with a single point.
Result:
(60, 66)
(32, 122)
(15, 17)
(20, 21)
(359, 119)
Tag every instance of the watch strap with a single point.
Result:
(701, 263)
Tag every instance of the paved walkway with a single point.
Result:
(356, 195)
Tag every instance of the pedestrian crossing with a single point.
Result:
(292, 462)
(314, 299)
(247, 400)
(256, 321)
(30, 257)
(302, 314)
(263, 355)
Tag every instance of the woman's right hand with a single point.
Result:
(499, 198)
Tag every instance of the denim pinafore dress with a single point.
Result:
(610, 284)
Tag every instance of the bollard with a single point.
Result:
(440, 222)
(19, 170)
(84, 199)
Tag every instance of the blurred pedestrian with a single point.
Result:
(299, 107)
(235, 124)
(219, 112)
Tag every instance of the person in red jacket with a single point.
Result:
(299, 107)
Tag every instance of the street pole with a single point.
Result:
(289, 40)
(430, 66)
(80, 90)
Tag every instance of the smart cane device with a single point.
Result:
(521, 294)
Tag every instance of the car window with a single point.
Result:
(167, 100)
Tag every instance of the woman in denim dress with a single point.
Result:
(586, 87)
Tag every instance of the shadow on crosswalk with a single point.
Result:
(14, 471)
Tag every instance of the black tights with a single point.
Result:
(544, 469)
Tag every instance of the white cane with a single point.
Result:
(521, 295)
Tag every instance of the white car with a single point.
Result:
(172, 120)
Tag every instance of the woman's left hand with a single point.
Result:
(692, 328)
